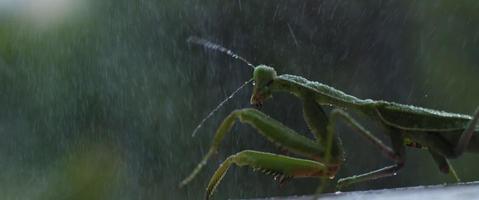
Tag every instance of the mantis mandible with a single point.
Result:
(445, 135)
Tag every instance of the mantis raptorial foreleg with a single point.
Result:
(279, 134)
(281, 167)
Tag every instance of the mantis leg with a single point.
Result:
(317, 122)
(445, 148)
(396, 154)
(444, 165)
(281, 167)
(386, 150)
(274, 131)
(467, 134)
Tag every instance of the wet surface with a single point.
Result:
(463, 191)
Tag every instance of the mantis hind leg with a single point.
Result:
(444, 165)
(396, 153)
(387, 171)
(450, 150)
(467, 134)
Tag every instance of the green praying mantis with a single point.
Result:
(445, 135)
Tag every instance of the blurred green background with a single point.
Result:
(98, 99)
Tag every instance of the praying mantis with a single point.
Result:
(445, 135)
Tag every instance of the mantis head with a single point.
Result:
(263, 76)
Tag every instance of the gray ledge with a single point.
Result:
(462, 191)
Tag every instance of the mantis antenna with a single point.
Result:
(217, 47)
(218, 107)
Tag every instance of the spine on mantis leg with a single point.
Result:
(281, 167)
(220, 133)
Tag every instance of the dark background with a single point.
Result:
(98, 99)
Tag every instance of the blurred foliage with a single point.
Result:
(102, 105)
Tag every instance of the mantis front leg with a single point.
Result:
(276, 132)
(281, 167)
